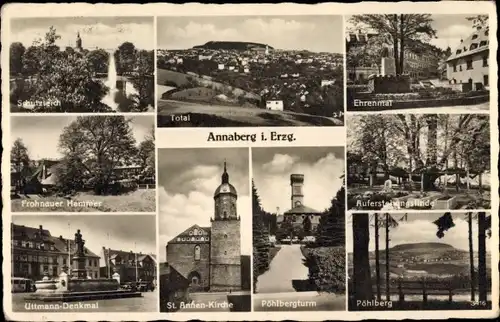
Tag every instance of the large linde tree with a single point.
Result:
(400, 31)
(94, 146)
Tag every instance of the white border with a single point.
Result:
(193, 137)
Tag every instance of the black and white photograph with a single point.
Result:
(418, 161)
(69, 163)
(418, 62)
(204, 227)
(84, 263)
(221, 71)
(81, 64)
(298, 205)
(420, 261)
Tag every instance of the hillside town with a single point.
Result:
(299, 81)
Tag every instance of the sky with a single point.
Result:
(187, 179)
(40, 134)
(102, 32)
(449, 29)
(321, 167)
(318, 33)
(135, 233)
(420, 228)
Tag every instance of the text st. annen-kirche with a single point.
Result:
(210, 257)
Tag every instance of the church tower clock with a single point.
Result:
(225, 248)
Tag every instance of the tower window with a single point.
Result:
(225, 252)
(197, 252)
(225, 236)
(224, 214)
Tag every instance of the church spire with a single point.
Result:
(225, 175)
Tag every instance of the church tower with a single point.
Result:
(297, 184)
(78, 43)
(225, 246)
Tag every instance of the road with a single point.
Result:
(220, 115)
(285, 267)
(147, 303)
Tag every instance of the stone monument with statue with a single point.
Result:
(77, 287)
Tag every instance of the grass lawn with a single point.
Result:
(136, 201)
(205, 115)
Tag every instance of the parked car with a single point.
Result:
(145, 286)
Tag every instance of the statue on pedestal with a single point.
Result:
(79, 242)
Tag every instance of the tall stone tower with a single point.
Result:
(297, 184)
(78, 43)
(225, 247)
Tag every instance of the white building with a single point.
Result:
(327, 82)
(274, 105)
(221, 66)
(468, 64)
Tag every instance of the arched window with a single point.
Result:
(197, 252)
(224, 215)
(225, 236)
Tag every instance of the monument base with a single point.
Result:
(82, 296)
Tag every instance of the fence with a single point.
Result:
(146, 186)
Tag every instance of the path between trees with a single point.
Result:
(286, 266)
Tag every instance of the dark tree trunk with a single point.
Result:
(387, 273)
(481, 266)
(402, 45)
(377, 258)
(362, 283)
(395, 39)
(471, 258)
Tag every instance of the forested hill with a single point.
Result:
(232, 45)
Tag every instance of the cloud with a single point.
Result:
(305, 32)
(92, 35)
(422, 231)
(321, 180)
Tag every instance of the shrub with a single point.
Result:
(326, 268)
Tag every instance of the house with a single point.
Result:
(173, 288)
(36, 252)
(130, 265)
(274, 105)
(468, 64)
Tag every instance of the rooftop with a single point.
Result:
(302, 210)
(478, 41)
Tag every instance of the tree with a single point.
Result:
(99, 60)
(367, 54)
(125, 57)
(143, 81)
(362, 284)
(482, 286)
(331, 227)
(19, 157)
(70, 174)
(471, 258)
(63, 81)
(102, 143)
(146, 155)
(399, 30)
(16, 58)
(260, 236)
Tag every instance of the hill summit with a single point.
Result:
(430, 246)
(233, 45)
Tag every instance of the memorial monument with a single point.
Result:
(77, 287)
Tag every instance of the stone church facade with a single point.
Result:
(299, 213)
(210, 257)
